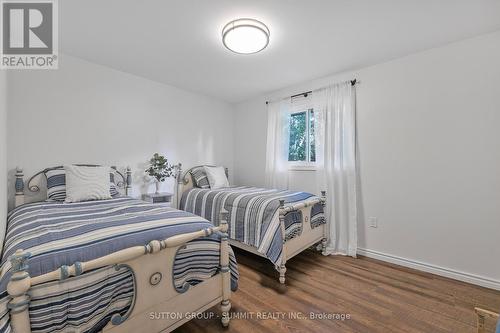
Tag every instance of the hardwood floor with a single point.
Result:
(377, 296)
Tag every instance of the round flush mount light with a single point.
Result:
(245, 36)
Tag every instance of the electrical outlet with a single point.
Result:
(373, 222)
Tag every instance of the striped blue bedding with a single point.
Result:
(59, 234)
(251, 214)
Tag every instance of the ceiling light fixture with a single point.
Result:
(245, 36)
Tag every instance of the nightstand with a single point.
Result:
(160, 198)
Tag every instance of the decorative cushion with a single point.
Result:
(216, 177)
(56, 184)
(200, 178)
(113, 189)
(86, 183)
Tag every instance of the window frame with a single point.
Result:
(306, 165)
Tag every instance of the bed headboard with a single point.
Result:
(185, 181)
(33, 184)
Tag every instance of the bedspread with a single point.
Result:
(252, 214)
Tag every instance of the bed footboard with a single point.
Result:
(306, 237)
(152, 268)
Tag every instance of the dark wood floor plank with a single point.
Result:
(402, 297)
(379, 297)
(388, 307)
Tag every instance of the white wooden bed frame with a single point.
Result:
(306, 237)
(152, 269)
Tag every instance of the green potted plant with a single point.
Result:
(160, 169)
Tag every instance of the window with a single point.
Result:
(301, 149)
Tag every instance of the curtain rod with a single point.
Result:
(305, 93)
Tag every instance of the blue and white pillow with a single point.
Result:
(56, 185)
(113, 189)
(200, 178)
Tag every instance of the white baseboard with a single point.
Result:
(442, 271)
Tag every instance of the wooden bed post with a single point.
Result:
(224, 268)
(19, 185)
(324, 241)
(18, 286)
(128, 185)
(282, 268)
(178, 183)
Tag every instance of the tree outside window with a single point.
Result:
(301, 145)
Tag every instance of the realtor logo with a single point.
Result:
(29, 34)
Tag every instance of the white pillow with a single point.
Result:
(86, 183)
(216, 177)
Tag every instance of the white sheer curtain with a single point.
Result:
(335, 112)
(278, 137)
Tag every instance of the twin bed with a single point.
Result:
(124, 265)
(274, 224)
(117, 265)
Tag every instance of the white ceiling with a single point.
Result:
(178, 41)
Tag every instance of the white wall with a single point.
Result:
(3, 153)
(86, 113)
(429, 135)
